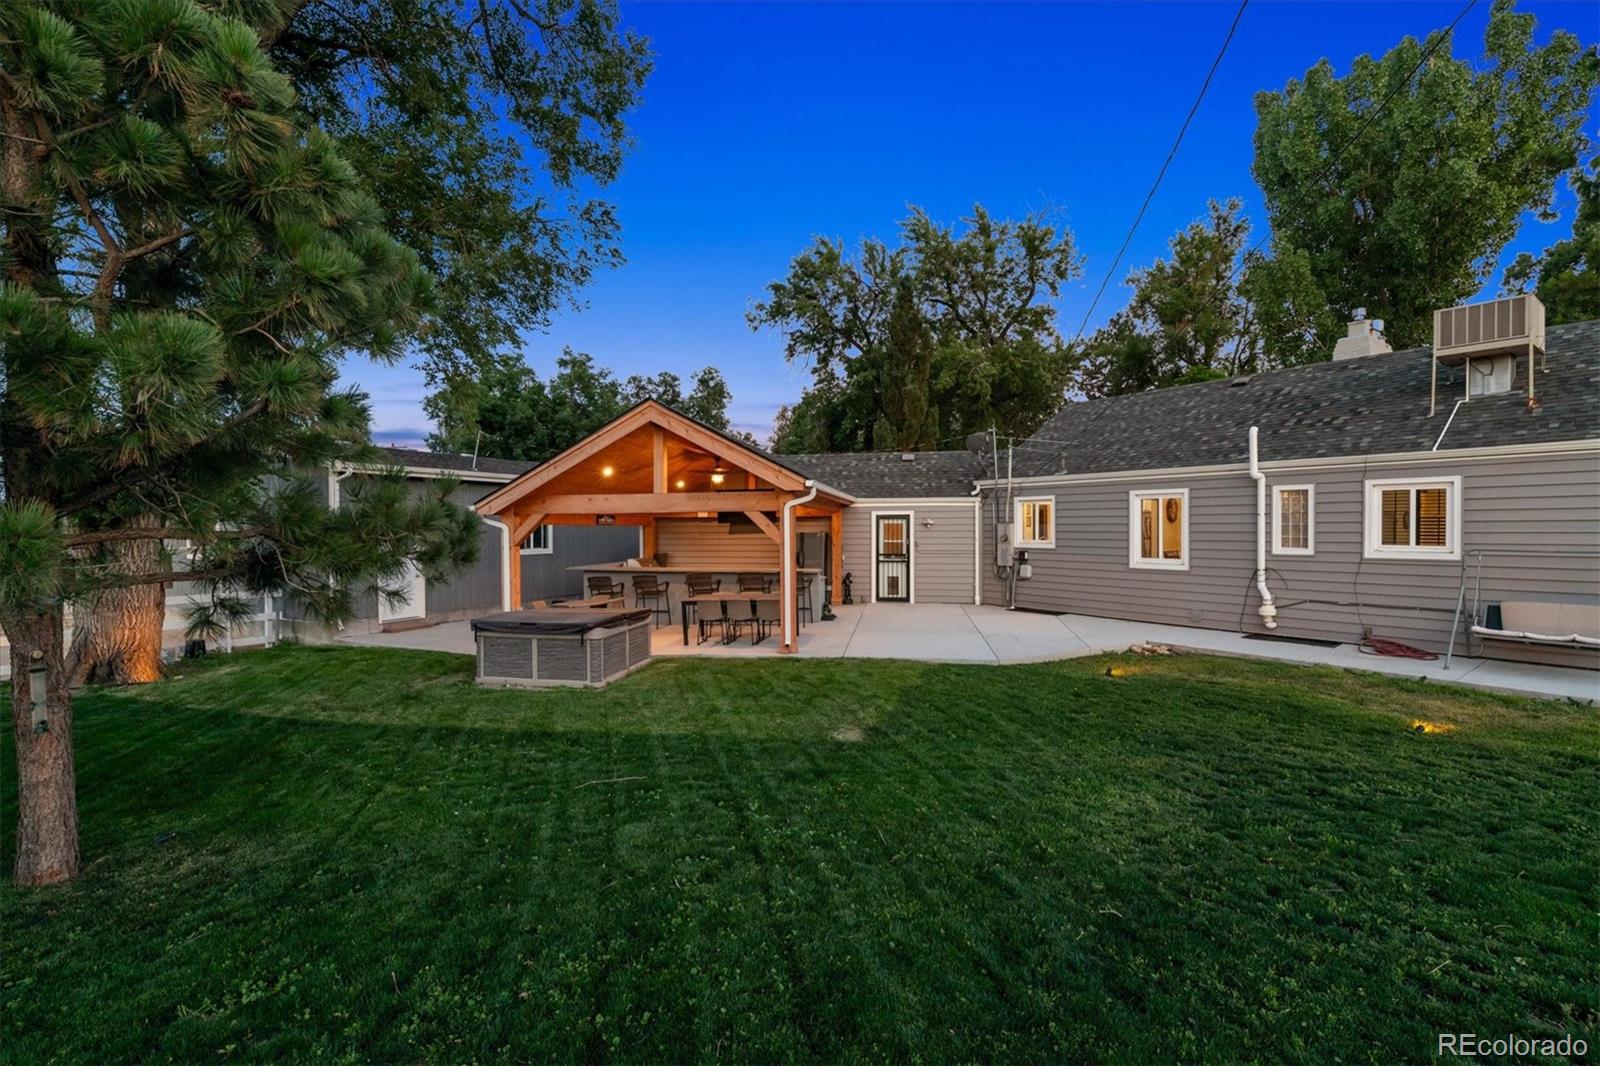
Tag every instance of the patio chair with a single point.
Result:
(766, 618)
(701, 584)
(601, 585)
(718, 619)
(650, 591)
(755, 583)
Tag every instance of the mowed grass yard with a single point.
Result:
(347, 853)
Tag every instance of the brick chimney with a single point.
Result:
(1363, 336)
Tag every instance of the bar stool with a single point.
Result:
(651, 591)
(803, 598)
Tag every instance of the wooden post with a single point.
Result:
(788, 616)
(649, 538)
(836, 550)
(513, 559)
(658, 460)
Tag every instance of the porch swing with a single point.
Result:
(1527, 620)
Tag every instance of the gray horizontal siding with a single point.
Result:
(941, 553)
(1548, 502)
(544, 576)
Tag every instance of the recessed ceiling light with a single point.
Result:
(606, 471)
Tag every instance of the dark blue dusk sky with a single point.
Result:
(766, 124)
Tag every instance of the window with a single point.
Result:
(1489, 376)
(540, 541)
(1036, 522)
(1158, 529)
(1292, 519)
(1414, 518)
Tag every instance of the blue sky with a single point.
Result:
(767, 124)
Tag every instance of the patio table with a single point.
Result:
(690, 605)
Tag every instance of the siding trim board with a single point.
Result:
(1457, 455)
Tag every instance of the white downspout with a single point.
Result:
(505, 559)
(1268, 610)
(789, 607)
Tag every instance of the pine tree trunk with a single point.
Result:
(47, 803)
(122, 628)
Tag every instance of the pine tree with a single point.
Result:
(184, 267)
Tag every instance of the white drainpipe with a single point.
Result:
(505, 560)
(788, 609)
(1267, 610)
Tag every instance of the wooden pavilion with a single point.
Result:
(653, 463)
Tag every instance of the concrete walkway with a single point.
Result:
(964, 634)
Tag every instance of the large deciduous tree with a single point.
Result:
(1187, 320)
(508, 411)
(984, 299)
(1566, 276)
(492, 126)
(184, 265)
(1401, 185)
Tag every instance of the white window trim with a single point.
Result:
(1373, 546)
(1016, 521)
(1311, 519)
(549, 545)
(1135, 560)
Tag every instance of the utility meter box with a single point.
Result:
(1002, 544)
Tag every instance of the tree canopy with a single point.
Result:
(491, 127)
(976, 306)
(1412, 214)
(1566, 276)
(507, 411)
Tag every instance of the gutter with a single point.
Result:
(1268, 609)
(789, 607)
(505, 559)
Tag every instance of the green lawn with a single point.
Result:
(347, 853)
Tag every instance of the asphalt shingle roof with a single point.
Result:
(465, 464)
(1370, 405)
(883, 475)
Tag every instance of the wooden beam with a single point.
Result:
(650, 538)
(525, 527)
(657, 503)
(765, 525)
(588, 520)
(836, 549)
(658, 459)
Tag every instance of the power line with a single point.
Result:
(1372, 116)
(1215, 63)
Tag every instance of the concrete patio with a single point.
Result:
(992, 635)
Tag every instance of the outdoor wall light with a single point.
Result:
(927, 523)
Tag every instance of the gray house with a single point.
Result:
(1406, 495)
(547, 555)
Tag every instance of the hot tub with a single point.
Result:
(560, 646)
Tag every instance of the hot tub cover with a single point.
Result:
(554, 621)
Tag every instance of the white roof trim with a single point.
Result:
(1456, 455)
(427, 471)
